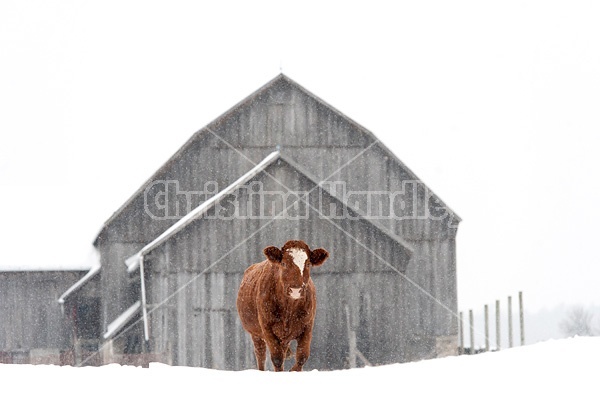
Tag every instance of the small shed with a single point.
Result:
(33, 328)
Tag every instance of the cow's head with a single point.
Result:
(295, 260)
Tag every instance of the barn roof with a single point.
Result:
(133, 262)
(220, 121)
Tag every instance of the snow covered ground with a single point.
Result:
(552, 369)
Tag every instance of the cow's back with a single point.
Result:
(246, 300)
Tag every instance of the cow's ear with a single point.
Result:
(273, 254)
(318, 256)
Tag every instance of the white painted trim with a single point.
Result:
(42, 268)
(120, 321)
(93, 271)
(144, 311)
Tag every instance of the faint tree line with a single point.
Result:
(579, 321)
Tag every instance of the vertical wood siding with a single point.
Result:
(30, 315)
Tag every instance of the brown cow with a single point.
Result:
(277, 302)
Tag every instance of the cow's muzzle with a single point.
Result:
(296, 293)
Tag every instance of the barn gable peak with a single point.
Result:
(279, 115)
(282, 112)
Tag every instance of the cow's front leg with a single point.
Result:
(277, 355)
(303, 350)
(276, 349)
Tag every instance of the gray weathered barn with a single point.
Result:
(282, 164)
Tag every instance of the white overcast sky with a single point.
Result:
(495, 105)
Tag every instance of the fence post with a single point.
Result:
(487, 328)
(497, 325)
(472, 332)
(461, 349)
(521, 318)
(510, 324)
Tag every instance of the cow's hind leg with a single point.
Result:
(260, 351)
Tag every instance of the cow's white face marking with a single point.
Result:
(299, 256)
(295, 293)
